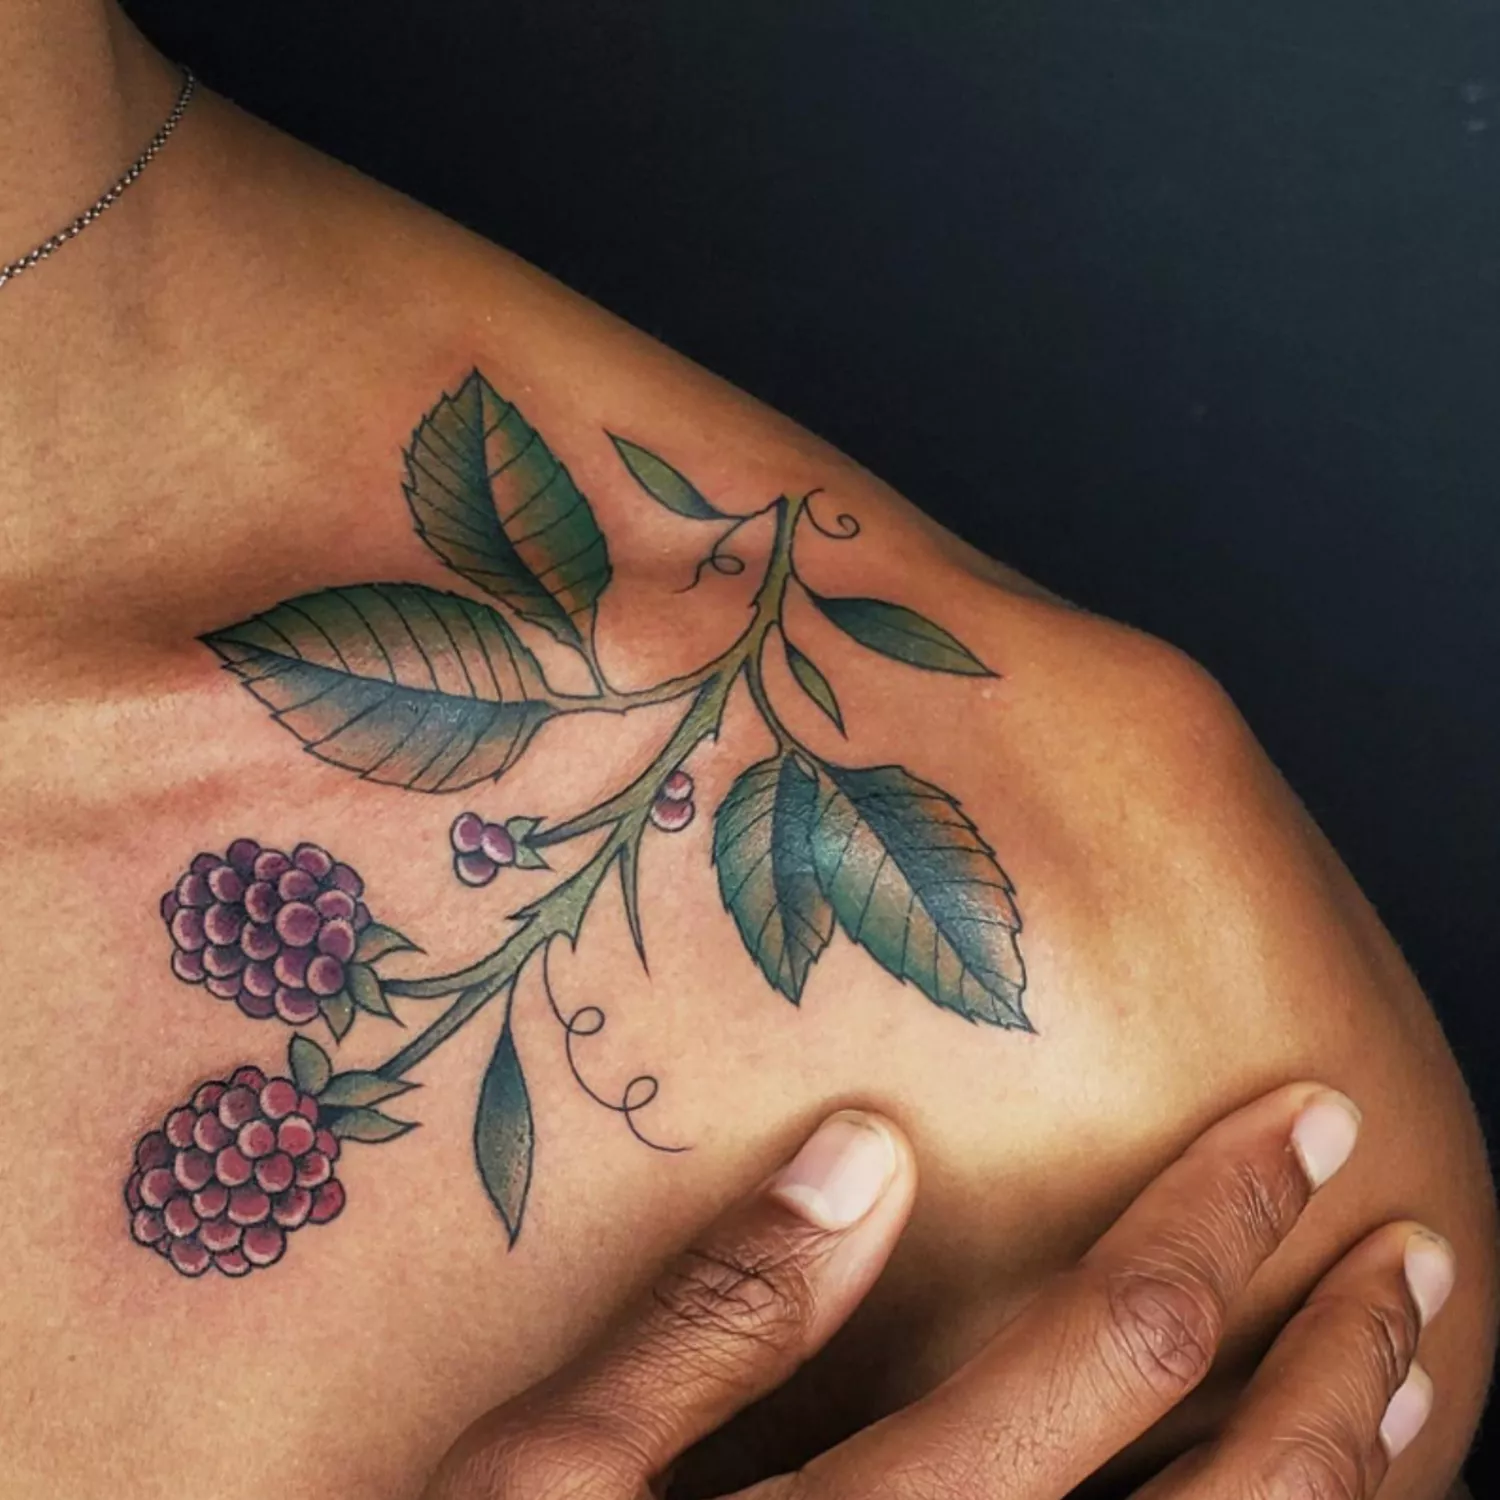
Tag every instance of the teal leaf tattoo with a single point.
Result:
(400, 683)
(492, 501)
(368, 1125)
(814, 684)
(377, 940)
(663, 483)
(764, 858)
(364, 990)
(309, 1063)
(902, 634)
(913, 883)
(358, 1089)
(338, 1012)
(504, 1136)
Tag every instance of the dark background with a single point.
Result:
(1187, 309)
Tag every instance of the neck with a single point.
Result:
(83, 93)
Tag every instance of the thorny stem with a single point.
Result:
(561, 911)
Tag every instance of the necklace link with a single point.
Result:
(113, 193)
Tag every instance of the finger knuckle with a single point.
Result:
(1316, 1465)
(1162, 1329)
(762, 1297)
(540, 1464)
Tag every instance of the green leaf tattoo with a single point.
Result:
(663, 483)
(504, 1136)
(491, 500)
(400, 683)
(912, 882)
(814, 684)
(429, 691)
(903, 634)
(764, 858)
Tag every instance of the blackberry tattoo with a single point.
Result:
(435, 692)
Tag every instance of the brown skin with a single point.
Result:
(201, 411)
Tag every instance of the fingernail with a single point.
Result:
(1323, 1135)
(1408, 1412)
(1429, 1272)
(841, 1172)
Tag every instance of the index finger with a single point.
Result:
(1114, 1344)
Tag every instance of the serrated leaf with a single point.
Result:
(377, 940)
(763, 856)
(492, 501)
(364, 990)
(504, 1135)
(913, 883)
(338, 1012)
(358, 1088)
(663, 483)
(405, 685)
(309, 1063)
(814, 684)
(368, 1125)
(902, 634)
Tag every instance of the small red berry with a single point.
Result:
(220, 1235)
(307, 1107)
(295, 1135)
(232, 1167)
(249, 1078)
(179, 1217)
(232, 1263)
(497, 845)
(189, 1257)
(296, 1006)
(152, 1150)
(474, 869)
(147, 1227)
(313, 1170)
(240, 1103)
(133, 1192)
(208, 1095)
(672, 817)
(328, 1201)
(179, 1127)
(263, 1245)
(271, 864)
(193, 1169)
(278, 1099)
(292, 1207)
(678, 787)
(248, 1205)
(275, 1172)
(157, 1187)
(466, 833)
(211, 1201)
(335, 905)
(318, 862)
(257, 1138)
(328, 1144)
(188, 967)
(187, 929)
(336, 940)
(210, 1134)
(257, 1007)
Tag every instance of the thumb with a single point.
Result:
(727, 1321)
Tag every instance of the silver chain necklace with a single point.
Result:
(112, 194)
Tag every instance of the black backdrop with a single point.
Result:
(1187, 309)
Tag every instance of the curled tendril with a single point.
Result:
(729, 564)
(844, 529)
(589, 1020)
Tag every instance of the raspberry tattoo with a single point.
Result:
(232, 1173)
(279, 934)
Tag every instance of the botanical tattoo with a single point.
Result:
(431, 691)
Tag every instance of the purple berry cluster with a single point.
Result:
(673, 809)
(480, 850)
(271, 931)
(231, 1173)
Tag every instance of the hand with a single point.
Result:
(1099, 1356)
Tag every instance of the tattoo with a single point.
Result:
(431, 691)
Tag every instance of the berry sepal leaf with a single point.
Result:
(377, 940)
(528, 858)
(363, 988)
(358, 1089)
(309, 1063)
(368, 1125)
(520, 829)
(338, 1012)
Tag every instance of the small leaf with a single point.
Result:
(403, 684)
(521, 828)
(365, 991)
(528, 858)
(358, 1088)
(368, 1125)
(663, 483)
(492, 501)
(814, 684)
(309, 1064)
(504, 1135)
(903, 634)
(377, 940)
(764, 862)
(630, 856)
(338, 1012)
(913, 883)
